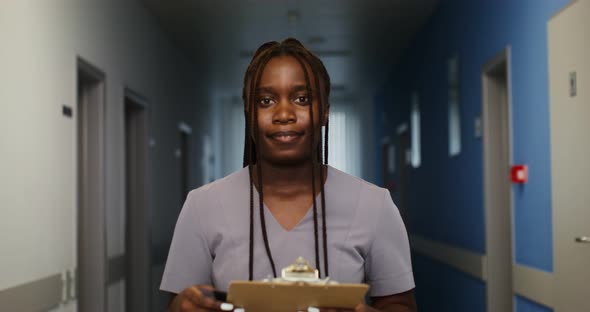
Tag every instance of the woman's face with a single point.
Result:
(284, 123)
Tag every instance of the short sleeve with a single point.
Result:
(189, 259)
(388, 263)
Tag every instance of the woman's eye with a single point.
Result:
(302, 99)
(265, 101)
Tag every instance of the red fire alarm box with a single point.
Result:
(520, 174)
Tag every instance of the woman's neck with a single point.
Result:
(288, 179)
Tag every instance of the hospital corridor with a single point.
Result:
(474, 115)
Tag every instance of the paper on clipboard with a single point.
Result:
(278, 297)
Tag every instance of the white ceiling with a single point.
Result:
(359, 41)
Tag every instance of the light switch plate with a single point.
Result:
(573, 84)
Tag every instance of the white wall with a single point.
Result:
(39, 45)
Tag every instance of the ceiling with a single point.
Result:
(359, 41)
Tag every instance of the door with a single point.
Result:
(388, 165)
(137, 235)
(403, 163)
(569, 87)
(91, 247)
(497, 184)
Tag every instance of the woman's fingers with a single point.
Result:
(364, 308)
(226, 306)
(201, 297)
(314, 309)
(196, 296)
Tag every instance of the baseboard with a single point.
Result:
(40, 295)
(469, 262)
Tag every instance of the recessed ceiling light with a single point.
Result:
(293, 16)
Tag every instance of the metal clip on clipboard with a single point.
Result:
(300, 272)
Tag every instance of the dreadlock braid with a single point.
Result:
(319, 157)
(250, 154)
(254, 109)
(311, 60)
(288, 47)
(312, 142)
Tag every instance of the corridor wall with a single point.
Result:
(446, 202)
(40, 44)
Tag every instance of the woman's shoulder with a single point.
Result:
(229, 184)
(348, 190)
(345, 182)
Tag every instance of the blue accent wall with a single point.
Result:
(446, 201)
(525, 305)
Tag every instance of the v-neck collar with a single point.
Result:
(268, 212)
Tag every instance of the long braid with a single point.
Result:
(249, 99)
(248, 158)
(249, 150)
(265, 58)
(248, 162)
(251, 250)
(312, 143)
(322, 193)
(323, 197)
(321, 106)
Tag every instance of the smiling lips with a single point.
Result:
(286, 136)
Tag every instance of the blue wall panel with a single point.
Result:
(525, 305)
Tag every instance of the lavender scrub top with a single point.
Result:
(367, 239)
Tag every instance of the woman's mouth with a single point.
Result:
(286, 136)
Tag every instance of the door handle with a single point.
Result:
(583, 239)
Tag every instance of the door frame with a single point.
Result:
(493, 220)
(404, 143)
(185, 130)
(91, 272)
(138, 261)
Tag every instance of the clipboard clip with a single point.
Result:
(300, 272)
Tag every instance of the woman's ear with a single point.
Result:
(326, 114)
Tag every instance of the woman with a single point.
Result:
(285, 175)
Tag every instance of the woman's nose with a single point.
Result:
(284, 112)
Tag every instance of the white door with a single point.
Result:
(569, 79)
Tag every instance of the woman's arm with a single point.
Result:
(195, 299)
(404, 302)
(388, 265)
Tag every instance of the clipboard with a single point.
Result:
(263, 296)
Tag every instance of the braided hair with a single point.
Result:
(294, 48)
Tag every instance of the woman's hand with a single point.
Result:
(359, 308)
(403, 302)
(196, 299)
(365, 308)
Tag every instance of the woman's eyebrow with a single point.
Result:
(298, 88)
(293, 89)
(265, 90)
